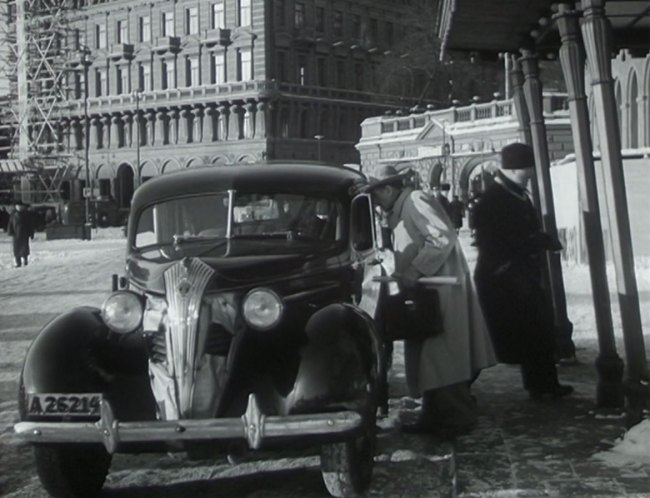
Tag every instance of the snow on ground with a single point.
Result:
(82, 275)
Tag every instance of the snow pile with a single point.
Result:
(633, 449)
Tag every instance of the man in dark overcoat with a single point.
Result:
(21, 229)
(509, 274)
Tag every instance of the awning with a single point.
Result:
(508, 25)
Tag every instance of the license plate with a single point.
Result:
(70, 405)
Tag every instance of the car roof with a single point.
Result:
(272, 176)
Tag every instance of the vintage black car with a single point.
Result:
(245, 315)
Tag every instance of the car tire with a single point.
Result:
(72, 470)
(346, 466)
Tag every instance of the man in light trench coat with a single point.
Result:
(440, 368)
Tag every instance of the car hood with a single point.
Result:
(230, 272)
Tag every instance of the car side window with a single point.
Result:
(362, 223)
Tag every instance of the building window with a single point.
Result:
(340, 74)
(122, 80)
(122, 31)
(244, 64)
(144, 76)
(338, 23)
(374, 31)
(192, 76)
(282, 13)
(389, 33)
(76, 39)
(244, 12)
(284, 123)
(322, 71)
(218, 68)
(281, 69)
(302, 69)
(78, 85)
(304, 124)
(168, 24)
(101, 82)
(81, 39)
(168, 75)
(218, 16)
(356, 26)
(320, 19)
(358, 76)
(100, 36)
(191, 21)
(144, 29)
(299, 15)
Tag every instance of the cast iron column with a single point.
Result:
(533, 95)
(595, 32)
(608, 364)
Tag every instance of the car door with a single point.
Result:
(372, 259)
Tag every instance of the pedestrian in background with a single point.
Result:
(439, 368)
(21, 229)
(439, 194)
(456, 213)
(509, 274)
(4, 218)
(471, 204)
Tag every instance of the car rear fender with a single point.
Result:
(76, 353)
(341, 363)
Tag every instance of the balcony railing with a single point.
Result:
(258, 89)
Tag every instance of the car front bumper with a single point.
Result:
(253, 426)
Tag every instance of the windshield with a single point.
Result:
(270, 220)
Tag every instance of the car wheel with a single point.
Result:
(346, 466)
(72, 470)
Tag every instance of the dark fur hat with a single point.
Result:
(517, 156)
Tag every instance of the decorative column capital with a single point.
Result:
(595, 32)
(572, 56)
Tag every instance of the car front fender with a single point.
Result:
(341, 363)
(77, 353)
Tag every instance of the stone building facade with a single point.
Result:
(173, 84)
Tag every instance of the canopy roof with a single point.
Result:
(493, 26)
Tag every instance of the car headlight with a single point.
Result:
(122, 312)
(262, 309)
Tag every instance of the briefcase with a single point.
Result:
(413, 316)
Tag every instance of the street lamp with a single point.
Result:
(85, 61)
(136, 94)
(319, 138)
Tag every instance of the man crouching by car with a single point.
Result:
(447, 343)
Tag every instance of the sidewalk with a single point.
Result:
(525, 448)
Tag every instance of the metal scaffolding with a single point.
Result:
(36, 35)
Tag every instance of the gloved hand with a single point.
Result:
(408, 279)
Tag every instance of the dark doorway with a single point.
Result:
(124, 186)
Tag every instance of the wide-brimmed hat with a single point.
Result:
(387, 174)
(517, 156)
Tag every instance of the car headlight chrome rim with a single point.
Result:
(122, 312)
(262, 309)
